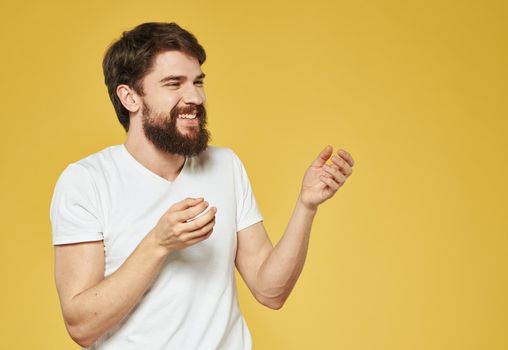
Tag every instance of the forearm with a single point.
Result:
(281, 269)
(98, 309)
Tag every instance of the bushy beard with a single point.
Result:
(161, 130)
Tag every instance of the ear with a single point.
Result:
(130, 100)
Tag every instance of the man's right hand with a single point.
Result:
(91, 304)
(173, 232)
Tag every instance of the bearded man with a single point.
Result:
(147, 233)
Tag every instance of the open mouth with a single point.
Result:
(187, 116)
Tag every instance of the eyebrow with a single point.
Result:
(180, 78)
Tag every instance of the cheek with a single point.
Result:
(203, 95)
(166, 102)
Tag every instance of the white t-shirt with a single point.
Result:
(193, 303)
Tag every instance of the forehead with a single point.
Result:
(174, 63)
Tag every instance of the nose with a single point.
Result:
(194, 95)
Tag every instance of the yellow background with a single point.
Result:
(412, 253)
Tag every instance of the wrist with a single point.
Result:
(153, 243)
(308, 208)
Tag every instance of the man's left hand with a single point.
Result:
(322, 180)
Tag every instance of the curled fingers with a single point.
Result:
(334, 174)
(344, 167)
(199, 225)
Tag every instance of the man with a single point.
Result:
(147, 233)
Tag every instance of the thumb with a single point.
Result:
(324, 155)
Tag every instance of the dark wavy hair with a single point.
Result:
(129, 59)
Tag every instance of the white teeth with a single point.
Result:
(187, 116)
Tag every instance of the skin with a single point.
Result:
(92, 305)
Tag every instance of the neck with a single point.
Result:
(166, 165)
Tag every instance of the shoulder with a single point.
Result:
(84, 172)
(220, 160)
(92, 167)
(222, 153)
(219, 151)
(96, 162)
(216, 156)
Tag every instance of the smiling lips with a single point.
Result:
(187, 116)
(188, 119)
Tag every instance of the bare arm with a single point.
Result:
(91, 304)
(271, 272)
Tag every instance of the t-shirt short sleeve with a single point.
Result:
(74, 210)
(247, 211)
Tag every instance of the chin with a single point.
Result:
(189, 132)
